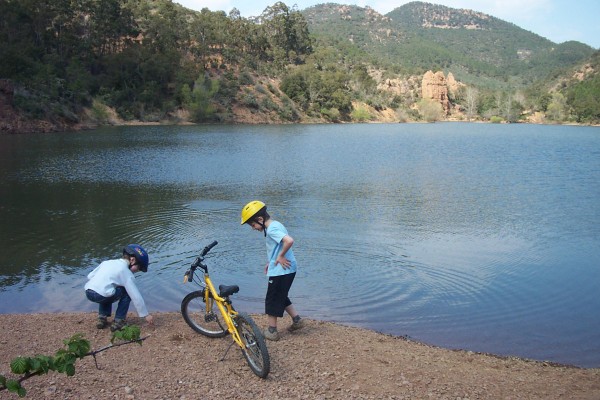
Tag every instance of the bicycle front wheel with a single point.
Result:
(255, 349)
(194, 311)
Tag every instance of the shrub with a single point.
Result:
(100, 112)
(430, 110)
(246, 79)
(260, 89)
(360, 114)
(249, 100)
(331, 114)
(268, 104)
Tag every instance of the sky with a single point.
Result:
(557, 20)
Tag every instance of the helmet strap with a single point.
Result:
(261, 222)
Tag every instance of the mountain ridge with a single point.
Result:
(155, 61)
(420, 36)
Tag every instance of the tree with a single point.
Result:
(111, 27)
(296, 88)
(365, 83)
(584, 100)
(200, 98)
(471, 97)
(511, 108)
(287, 32)
(430, 110)
(556, 109)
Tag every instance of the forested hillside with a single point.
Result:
(65, 63)
(479, 45)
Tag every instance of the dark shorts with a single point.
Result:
(277, 294)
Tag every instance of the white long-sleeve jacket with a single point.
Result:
(112, 273)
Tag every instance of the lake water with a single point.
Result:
(466, 236)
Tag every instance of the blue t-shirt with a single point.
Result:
(275, 233)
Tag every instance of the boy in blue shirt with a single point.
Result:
(281, 267)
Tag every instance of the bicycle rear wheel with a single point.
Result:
(255, 349)
(193, 309)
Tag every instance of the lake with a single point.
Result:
(482, 237)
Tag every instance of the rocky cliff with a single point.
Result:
(434, 86)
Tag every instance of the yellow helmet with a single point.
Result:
(250, 210)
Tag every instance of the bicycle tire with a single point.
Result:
(255, 349)
(193, 309)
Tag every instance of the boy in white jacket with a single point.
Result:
(112, 281)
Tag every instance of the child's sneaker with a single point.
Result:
(274, 336)
(118, 324)
(296, 325)
(102, 322)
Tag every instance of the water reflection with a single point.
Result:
(461, 235)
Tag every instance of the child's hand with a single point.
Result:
(150, 320)
(266, 268)
(284, 262)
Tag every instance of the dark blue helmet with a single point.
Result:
(140, 255)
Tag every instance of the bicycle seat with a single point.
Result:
(225, 290)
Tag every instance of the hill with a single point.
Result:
(477, 48)
(65, 65)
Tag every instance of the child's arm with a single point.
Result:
(286, 244)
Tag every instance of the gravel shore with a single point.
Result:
(322, 361)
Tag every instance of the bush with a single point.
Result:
(249, 100)
(100, 112)
(331, 114)
(272, 89)
(260, 89)
(246, 79)
(430, 110)
(402, 115)
(288, 111)
(360, 114)
(268, 104)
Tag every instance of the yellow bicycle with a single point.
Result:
(211, 313)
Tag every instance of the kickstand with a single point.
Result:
(226, 351)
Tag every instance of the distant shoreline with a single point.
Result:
(41, 127)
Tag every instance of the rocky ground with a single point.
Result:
(322, 361)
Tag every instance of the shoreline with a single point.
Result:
(325, 360)
(44, 127)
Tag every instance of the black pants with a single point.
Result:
(277, 294)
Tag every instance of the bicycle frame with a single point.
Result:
(224, 306)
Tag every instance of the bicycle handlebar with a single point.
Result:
(207, 248)
(198, 262)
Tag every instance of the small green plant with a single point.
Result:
(100, 111)
(268, 104)
(249, 100)
(360, 114)
(245, 78)
(272, 89)
(260, 89)
(331, 114)
(64, 360)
